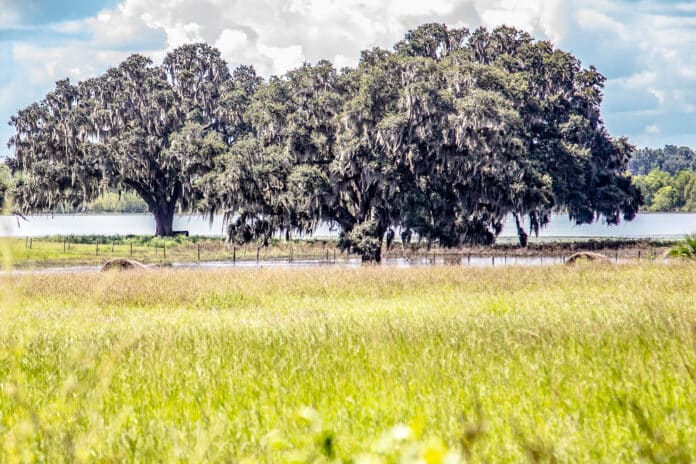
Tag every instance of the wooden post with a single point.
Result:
(26, 242)
(97, 247)
(616, 255)
(257, 254)
(164, 250)
(198, 251)
(131, 248)
(113, 242)
(334, 255)
(468, 258)
(638, 255)
(493, 261)
(31, 242)
(234, 255)
(327, 256)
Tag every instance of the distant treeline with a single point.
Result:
(671, 159)
(113, 202)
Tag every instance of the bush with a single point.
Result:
(685, 249)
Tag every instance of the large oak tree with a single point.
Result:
(150, 129)
(443, 137)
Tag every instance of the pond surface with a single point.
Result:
(656, 225)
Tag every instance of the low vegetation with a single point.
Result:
(685, 249)
(549, 364)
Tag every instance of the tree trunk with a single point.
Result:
(164, 220)
(521, 233)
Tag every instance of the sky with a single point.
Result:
(645, 48)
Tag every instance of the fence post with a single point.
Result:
(164, 250)
(31, 242)
(234, 255)
(97, 252)
(493, 261)
(198, 250)
(257, 254)
(638, 255)
(131, 248)
(334, 255)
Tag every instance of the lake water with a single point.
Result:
(657, 225)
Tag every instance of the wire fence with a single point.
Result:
(69, 249)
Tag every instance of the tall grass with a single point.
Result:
(375, 365)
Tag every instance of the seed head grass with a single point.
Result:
(436, 364)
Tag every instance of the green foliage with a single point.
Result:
(667, 193)
(685, 249)
(111, 202)
(584, 364)
(671, 159)
(5, 184)
(443, 137)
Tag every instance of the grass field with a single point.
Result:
(564, 364)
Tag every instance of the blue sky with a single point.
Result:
(644, 47)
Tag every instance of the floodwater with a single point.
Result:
(655, 225)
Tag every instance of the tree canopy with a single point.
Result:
(441, 139)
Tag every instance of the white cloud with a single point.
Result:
(275, 35)
(653, 129)
(43, 65)
(9, 18)
(647, 46)
(596, 20)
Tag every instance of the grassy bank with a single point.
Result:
(95, 250)
(497, 365)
